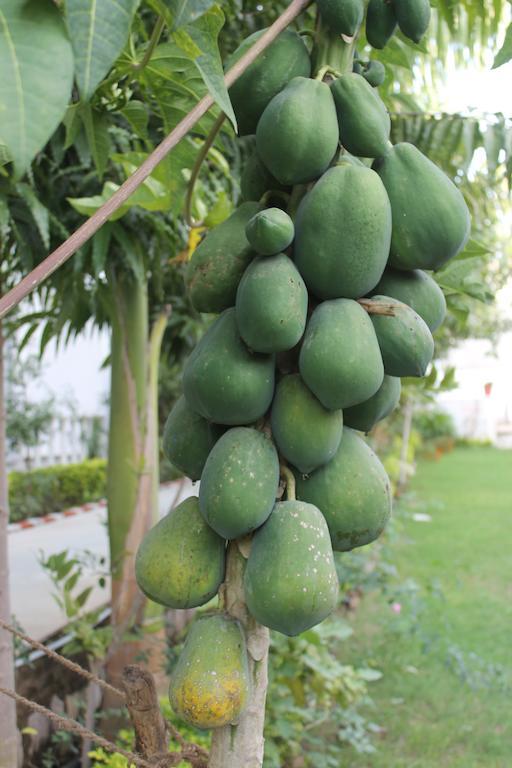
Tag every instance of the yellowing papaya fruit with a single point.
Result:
(362, 116)
(271, 304)
(239, 482)
(223, 381)
(431, 222)
(405, 341)
(343, 233)
(340, 360)
(290, 579)
(270, 231)
(287, 57)
(380, 23)
(413, 17)
(353, 492)
(416, 289)
(343, 17)
(306, 433)
(365, 416)
(180, 562)
(188, 439)
(219, 262)
(210, 685)
(297, 135)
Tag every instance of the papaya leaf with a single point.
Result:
(187, 11)
(137, 114)
(36, 62)
(98, 30)
(96, 131)
(38, 211)
(505, 52)
(199, 42)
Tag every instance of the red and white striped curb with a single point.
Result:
(56, 517)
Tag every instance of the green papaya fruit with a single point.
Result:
(180, 562)
(357, 67)
(256, 179)
(353, 492)
(405, 341)
(366, 415)
(363, 119)
(343, 232)
(290, 579)
(219, 262)
(188, 439)
(416, 289)
(374, 72)
(270, 231)
(223, 381)
(239, 482)
(287, 57)
(271, 304)
(297, 135)
(306, 433)
(210, 685)
(340, 360)
(380, 23)
(343, 17)
(413, 17)
(428, 228)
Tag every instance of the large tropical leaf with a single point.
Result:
(36, 65)
(99, 30)
(186, 11)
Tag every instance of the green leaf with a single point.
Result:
(39, 212)
(98, 30)
(82, 598)
(36, 62)
(199, 43)
(96, 130)
(505, 52)
(187, 11)
(137, 114)
(100, 245)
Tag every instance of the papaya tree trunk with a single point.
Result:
(8, 732)
(241, 745)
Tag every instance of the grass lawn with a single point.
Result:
(445, 698)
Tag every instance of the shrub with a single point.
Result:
(51, 489)
(434, 424)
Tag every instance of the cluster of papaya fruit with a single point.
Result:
(323, 304)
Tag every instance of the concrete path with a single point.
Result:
(32, 601)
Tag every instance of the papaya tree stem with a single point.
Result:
(241, 745)
(153, 42)
(289, 478)
(196, 170)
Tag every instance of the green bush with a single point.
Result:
(51, 489)
(434, 424)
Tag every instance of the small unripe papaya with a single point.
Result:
(180, 562)
(343, 17)
(405, 341)
(416, 289)
(343, 233)
(362, 116)
(353, 492)
(219, 262)
(210, 684)
(297, 135)
(428, 228)
(239, 482)
(306, 433)
(374, 72)
(188, 439)
(365, 416)
(256, 179)
(270, 231)
(340, 360)
(271, 304)
(413, 17)
(380, 23)
(290, 579)
(287, 57)
(223, 381)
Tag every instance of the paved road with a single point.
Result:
(32, 600)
